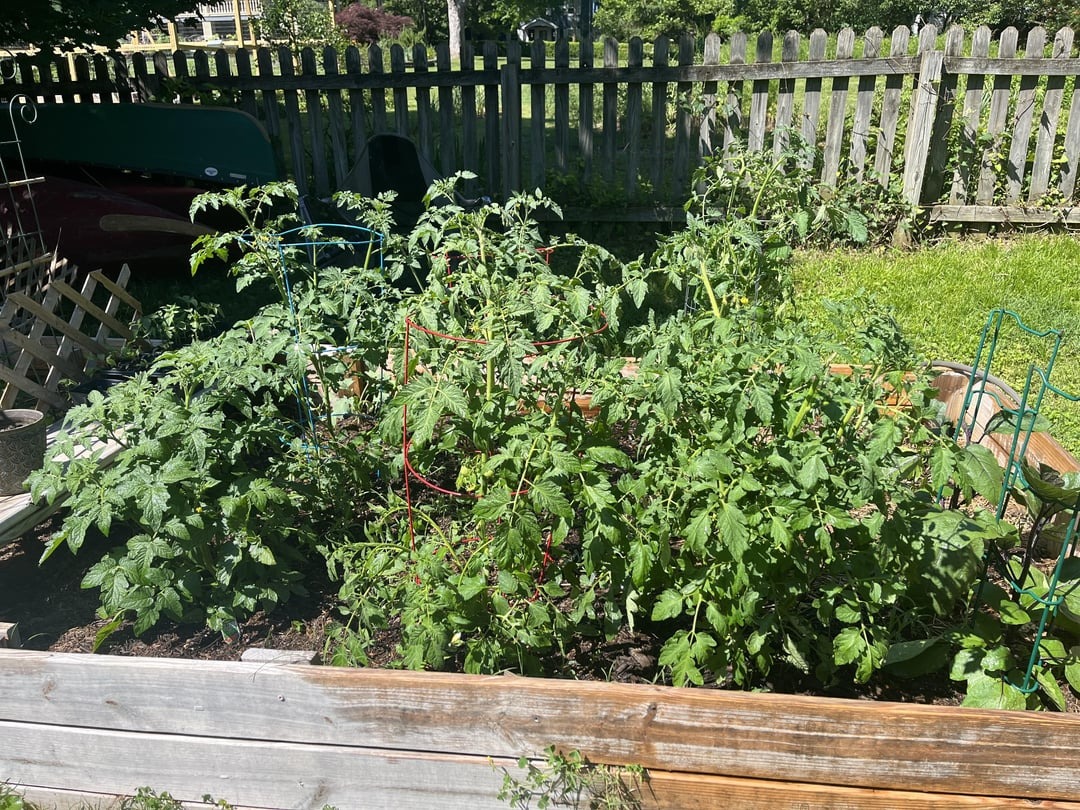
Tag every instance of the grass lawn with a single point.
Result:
(941, 295)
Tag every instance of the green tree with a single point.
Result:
(299, 22)
(69, 24)
(623, 19)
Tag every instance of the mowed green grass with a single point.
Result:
(941, 295)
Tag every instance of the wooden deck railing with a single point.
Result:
(939, 118)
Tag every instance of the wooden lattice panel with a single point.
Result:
(62, 336)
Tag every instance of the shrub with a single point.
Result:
(366, 25)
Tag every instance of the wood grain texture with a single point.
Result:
(1048, 122)
(995, 125)
(1020, 126)
(761, 736)
(834, 127)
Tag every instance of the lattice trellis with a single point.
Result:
(62, 337)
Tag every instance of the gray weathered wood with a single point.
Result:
(248, 101)
(811, 116)
(864, 108)
(1004, 214)
(400, 94)
(335, 108)
(1020, 128)
(470, 145)
(634, 119)
(378, 94)
(585, 110)
(562, 107)
(995, 125)
(785, 98)
(511, 130)
(492, 125)
(98, 703)
(834, 129)
(921, 126)
(1048, 121)
(885, 153)
(684, 123)
(966, 174)
(313, 102)
(759, 95)
(357, 118)
(939, 146)
(270, 118)
(658, 118)
(610, 114)
(425, 139)
(447, 114)
(296, 131)
(537, 119)
(1002, 65)
(1072, 145)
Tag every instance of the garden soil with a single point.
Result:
(54, 613)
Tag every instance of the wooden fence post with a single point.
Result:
(921, 126)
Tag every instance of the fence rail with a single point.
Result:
(968, 125)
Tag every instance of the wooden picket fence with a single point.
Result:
(963, 124)
(75, 729)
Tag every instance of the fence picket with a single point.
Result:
(995, 125)
(562, 107)
(759, 96)
(1025, 116)
(707, 134)
(313, 102)
(292, 119)
(785, 96)
(101, 77)
(510, 150)
(248, 102)
(659, 116)
(378, 94)
(400, 94)
(864, 107)
(447, 154)
(585, 110)
(335, 107)
(683, 117)
(1072, 145)
(834, 128)
(634, 112)
(424, 135)
(537, 117)
(354, 68)
(610, 115)
(938, 158)
(812, 94)
(1048, 120)
(470, 157)
(270, 118)
(966, 174)
(492, 124)
(920, 128)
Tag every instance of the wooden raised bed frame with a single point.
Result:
(75, 728)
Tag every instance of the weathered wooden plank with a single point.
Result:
(834, 128)
(143, 85)
(708, 137)
(82, 77)
(470, 159)
(939, 146)
(886, 149)
(658, 117)
(296, 131)
(247, 772)
(1016, 166)
(585, 110)
(634, 118)
(811, 116)
(358, 124)
(1004, 214)
(424, 135)
(965, 176)
(864, 108)
(785, 96)
(511, 130)
(537, 118)
(335, 106)
(503, 159)
(1072, 145)
(248, 101)
(995, 125)
(921, 126)
(562, 107)
(447, 116)
(1048, 121)
(314, 104)
(400, 94)
(1009, 65)
(761, 736)
(47, 316)
(378, 92)
(609, 127)
(101, 75)
(759, 95)
(270, 117)
(683, 123)
(121, 77)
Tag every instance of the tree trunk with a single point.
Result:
(455, 12)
